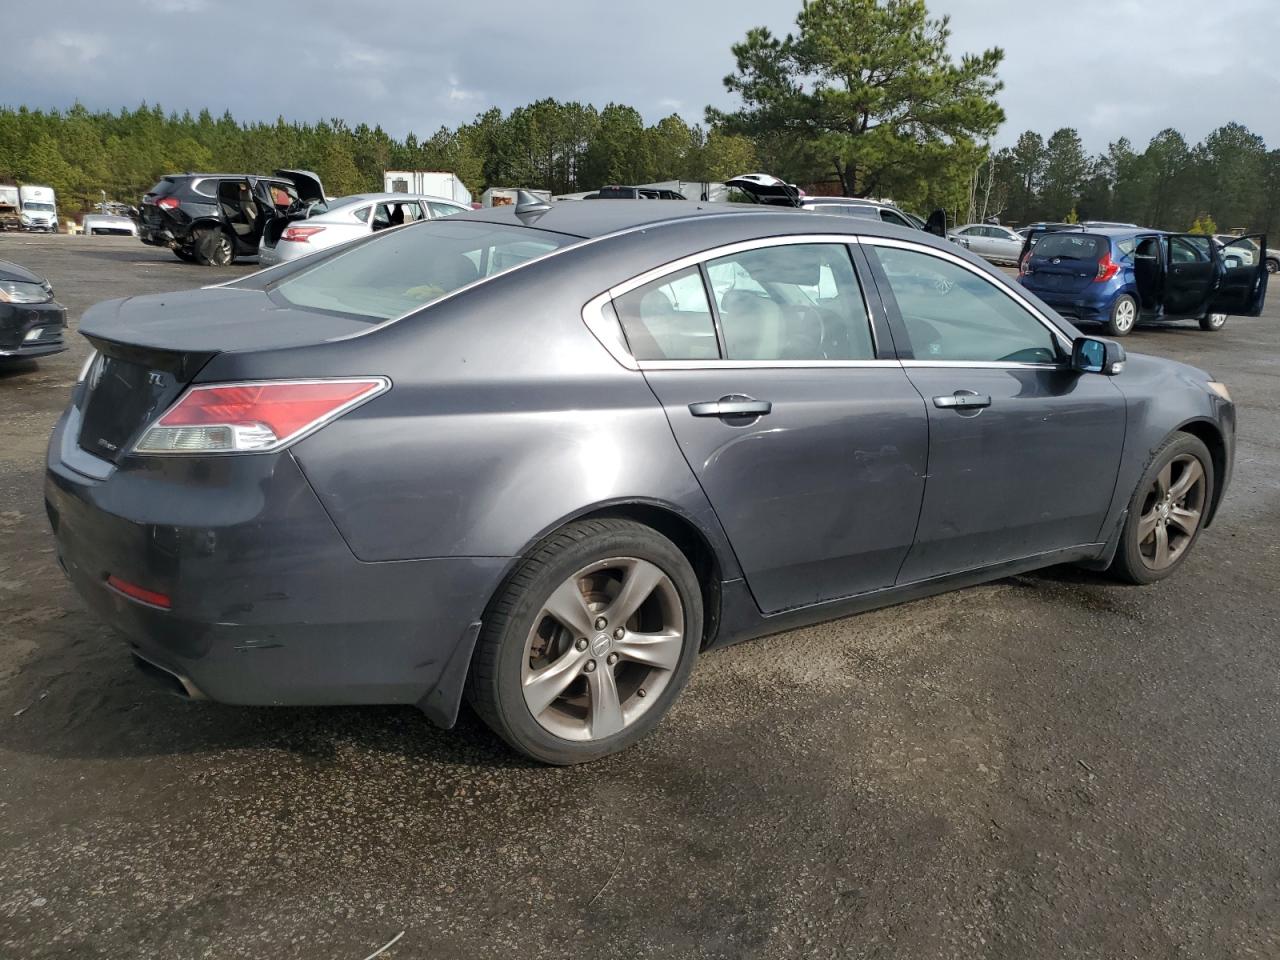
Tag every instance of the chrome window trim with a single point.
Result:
(608, 330)
(984, 364)
(1062, 339)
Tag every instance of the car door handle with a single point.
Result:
(962, 401)
(731, 407)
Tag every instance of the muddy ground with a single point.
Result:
(1048, 766)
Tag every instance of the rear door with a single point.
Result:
(1242, 289)
(1190, 275)
(809, 442)
(1023, 451)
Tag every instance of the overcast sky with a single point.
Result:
(1109, 68)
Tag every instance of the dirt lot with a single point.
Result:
(1050, 765)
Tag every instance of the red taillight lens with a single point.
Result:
(135, 592)
(167, 203)
(254, 417)
(1107, 268)
(300, 234)
(1024, 265)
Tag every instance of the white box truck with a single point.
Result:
(38, 208)
(433, 183)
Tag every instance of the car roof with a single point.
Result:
(701, 225)
(380, 197)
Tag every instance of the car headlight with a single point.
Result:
(15, 291)
(1220, 389)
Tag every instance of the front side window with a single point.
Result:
(954, 314)
(443, 209)
(405, 269)
(888, 216)
(1189, 249)
(791, 302)
(669, 319)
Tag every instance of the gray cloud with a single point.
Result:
(1107, 67)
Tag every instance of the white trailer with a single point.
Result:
(9, 207)
(432, 183)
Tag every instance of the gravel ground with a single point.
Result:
(1049, 765)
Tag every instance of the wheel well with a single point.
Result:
(692, 543)
(1208, 434)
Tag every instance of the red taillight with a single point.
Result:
(167, 203)
(1107, 268)
(300, 234)
(141, 594)
(254, 417)
(1024, 265)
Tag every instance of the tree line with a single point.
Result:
(561, 147)
(865, 98)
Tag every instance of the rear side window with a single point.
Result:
(791, 302)
(206, 185)
(443, 209)
(1071, 246)
(888, 216)
(669, 319)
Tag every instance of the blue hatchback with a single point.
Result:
(1122, 276)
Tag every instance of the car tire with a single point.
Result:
(1213, 322)
(213, 248)
(1123, 317)
(184, 254)
(1273, 265)
(1175, 492)
(564, 699)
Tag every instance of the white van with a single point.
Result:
(38, 208)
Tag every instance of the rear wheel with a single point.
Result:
(1272, 264)
(184, 254)
(1213, 321)
(1167, 511)
(1124, 316)
(589, 643)
(213, 248)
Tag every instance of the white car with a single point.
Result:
(990, 241)
(108, 225)
(345, 219)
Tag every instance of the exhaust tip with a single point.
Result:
(176, 683)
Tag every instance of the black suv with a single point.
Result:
(212, 218)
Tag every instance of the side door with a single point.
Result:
(1242, 287)
(1023, 451)
(809, 441)
(1190, 274)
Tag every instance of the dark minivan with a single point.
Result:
(212, 218)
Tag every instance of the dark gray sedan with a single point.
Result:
(545, 457)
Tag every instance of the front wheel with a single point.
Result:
(1213, 322)
(589, 643)
(1124, 316)
(1272, 264)
(1166, 512)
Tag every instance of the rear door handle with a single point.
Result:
(731, 407)
(962, 400)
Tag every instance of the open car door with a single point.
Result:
(1242, 283)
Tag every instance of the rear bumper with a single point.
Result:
(267, 603)
(31, 329)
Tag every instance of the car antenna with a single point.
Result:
(529, 206)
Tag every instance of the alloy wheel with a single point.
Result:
(1171, 512)
(602, 648)
(1126, 315)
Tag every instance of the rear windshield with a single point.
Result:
(401, 270)
(1071, 246)
(163, 188)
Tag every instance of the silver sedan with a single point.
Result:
(990, 241)
(347, 218)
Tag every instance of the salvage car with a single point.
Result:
(108, 225)
(766, 189)
(324, 225)
(213, 218)
(32, 323)
(990, 241)
(1123, 277)
(545, 455)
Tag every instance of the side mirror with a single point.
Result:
(937, 223)
(1094, 355)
